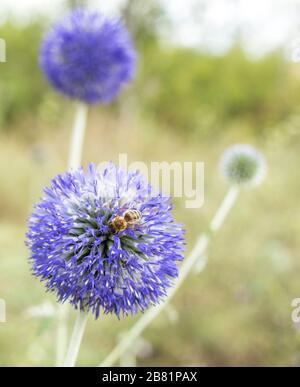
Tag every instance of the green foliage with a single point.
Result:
(24, 92)
(143, 19)
(21, 84)
(183, 89)
(188, 90)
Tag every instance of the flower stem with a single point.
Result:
(76, 338)
(224, 208)
(77, 136)
(75, 155)
(197, 252)
(61, 335)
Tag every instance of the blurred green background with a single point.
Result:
(186, 104)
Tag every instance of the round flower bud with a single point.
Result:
(88, 57)
(104, 241)
(241, 164)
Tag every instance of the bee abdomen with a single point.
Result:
(132, 216)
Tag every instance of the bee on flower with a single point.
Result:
(103, 241)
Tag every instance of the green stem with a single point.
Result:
(61, 335)
(76, 339)
(78, 132)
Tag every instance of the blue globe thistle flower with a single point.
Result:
(88, 57)
(242, 164)
(103, 241)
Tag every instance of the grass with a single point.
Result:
(237, 312)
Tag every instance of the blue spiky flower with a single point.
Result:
(86, 252)
(242, 164)
(88, 57)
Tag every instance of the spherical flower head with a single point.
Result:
(104, 241)
(241, 164)
(88, 57)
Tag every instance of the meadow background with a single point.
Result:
(186, 104)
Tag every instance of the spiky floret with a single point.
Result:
(88, 57)
(242, 164)
(81, 259)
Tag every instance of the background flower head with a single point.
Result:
(88, 57)
(242, 164)
(84, 258)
